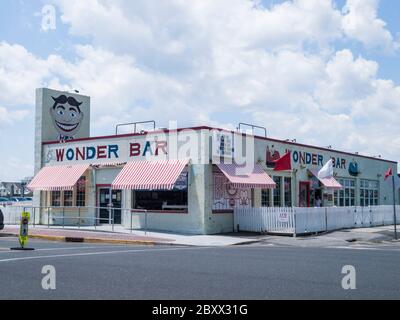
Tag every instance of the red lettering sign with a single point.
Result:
(134, 150)
(60, 155)
(101, 152)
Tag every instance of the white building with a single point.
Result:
(176, 176)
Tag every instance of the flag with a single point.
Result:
(388, 173)
(326, 171)
(283, 163)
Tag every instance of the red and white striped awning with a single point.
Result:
(57, 178)
(252, 177)
(330, 183)
(149, 175)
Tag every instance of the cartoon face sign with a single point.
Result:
(67, 116)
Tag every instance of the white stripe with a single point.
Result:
(95, 253)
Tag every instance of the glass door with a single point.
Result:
(110, 203)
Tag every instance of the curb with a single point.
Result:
(92, 240)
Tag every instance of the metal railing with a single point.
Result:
(88, 216)
(135, 125)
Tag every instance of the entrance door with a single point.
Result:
(110, 199)
(304, 194)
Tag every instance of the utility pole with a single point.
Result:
(394, 208)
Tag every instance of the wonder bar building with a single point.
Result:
(182, 179)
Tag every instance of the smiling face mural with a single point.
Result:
(67, 116)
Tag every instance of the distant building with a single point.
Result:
(15, 189)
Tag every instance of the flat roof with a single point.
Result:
(127, 135)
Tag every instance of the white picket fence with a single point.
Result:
(312, 220)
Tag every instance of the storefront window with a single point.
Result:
(266, 198)
(176, 200)
(369, 193)
(81, 192)
(56, 198)
(68, 198)
(345, 197)
(277, 192)
(288, 191)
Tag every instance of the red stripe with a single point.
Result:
(145, 175)
(57, 178)
(255, 178)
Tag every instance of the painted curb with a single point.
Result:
(92, 240)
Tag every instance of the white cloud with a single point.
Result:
(361, 23)
(217, 62)
(8, 117)
(347, 79)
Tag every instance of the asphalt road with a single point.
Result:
(90, 271)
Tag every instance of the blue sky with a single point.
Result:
(288, 65)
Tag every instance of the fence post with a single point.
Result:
(63, 218)
(79, 217)
(145, 223)
(294, 223)
(113, 218)
(96, 217)
(370, 217)
(109, 215)
(131, 220)
(34, 216)
(326, 219)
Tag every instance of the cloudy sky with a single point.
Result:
(324, 72)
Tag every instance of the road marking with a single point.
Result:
(366, 248)
(7, 250)
(96, 253)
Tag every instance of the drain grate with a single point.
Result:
(71, 239)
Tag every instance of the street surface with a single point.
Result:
(258, 271)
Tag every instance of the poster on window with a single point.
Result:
(223, 144)
(226, 197)
(181, 183)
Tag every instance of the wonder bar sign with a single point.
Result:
(119, 151)
(161, 146)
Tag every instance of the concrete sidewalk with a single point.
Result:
(364, 236)
(121, 235)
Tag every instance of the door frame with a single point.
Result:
(106, 186)
(307, 184)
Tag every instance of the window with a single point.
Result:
(346, 197)
(288, 191)
(176, 200)
(68, 198)
(369, 193)
(81, 192)
(266, 198)
(277, 192)
(56, 198)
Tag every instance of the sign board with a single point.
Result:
(23, 232)
(223, 144)
(283, 217)
(61, 115)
